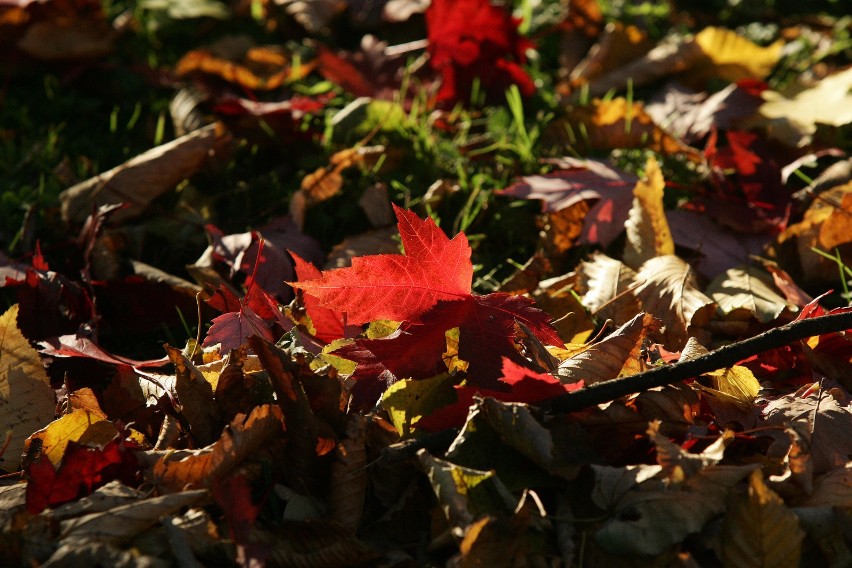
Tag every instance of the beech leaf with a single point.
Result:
(747, 290)
(667, 290)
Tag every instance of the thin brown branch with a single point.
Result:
(724, 357)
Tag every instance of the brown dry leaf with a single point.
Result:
(678, 464)
(760, 530)
(195, 396)
(313, 544)
(314, 15)
(120, 524)
(237, 61)
(834, 489)
(821, 420)
(465, 493)
(615, 123)
(617, 355)
(746, 292)
(648, 233)
(349, 476)
(142, 179)
(651, 517)
(81, 426)
(827, 224)
(562, 228)
(67, 31)
(618, 45)
(505, 540)
(27, 402)
(305, 441)
(556, 297)
(517, 428)
(666, 288)
(677, 406)
(605, 286)
(326, 182)
(792, 117)
(174, 471)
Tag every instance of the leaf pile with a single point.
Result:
(374, 379)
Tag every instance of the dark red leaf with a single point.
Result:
(82, 470)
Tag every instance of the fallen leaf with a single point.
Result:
(27, 402)
(615, 123)
(666, 289)
(616, 355)
(759, 530)
(747, 291)
(605, 285)
(178, 470)
(399, 287)
(142, 179)
(81, 426)
(792, 116)
(648, 233)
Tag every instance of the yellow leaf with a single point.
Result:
(792, 116)
(648, 233)
(82, 426)
(407, 401)
(734, 57)
(27, 402)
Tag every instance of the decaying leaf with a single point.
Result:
(195, 396)
(605, 284)
(142, 179)
(617, 355)
(175, 471)
(760, 530)
(651, 517)
(349, 476)
(27, 402)
(733, 385)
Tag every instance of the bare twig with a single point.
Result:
(724, 357)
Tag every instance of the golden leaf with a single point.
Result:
(648, 233)
(27, 402)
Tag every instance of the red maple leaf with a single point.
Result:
(398, 287)
(82, 470)
(329, 324)
(471, 39)
(429, 290)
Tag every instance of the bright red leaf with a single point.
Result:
(470, 39)
(429, 290)
(327, 323)
(398, 287)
